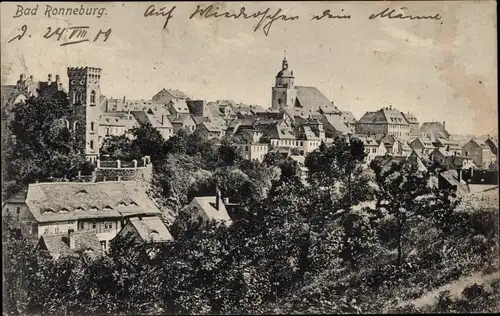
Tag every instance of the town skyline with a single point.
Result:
(413, 67)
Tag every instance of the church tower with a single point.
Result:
(84, 95)
(284, 92)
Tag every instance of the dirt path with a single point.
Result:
(455, 288)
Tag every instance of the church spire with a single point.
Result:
(285, 62)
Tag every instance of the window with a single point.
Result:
(56, 230)
(18, 210)
(94, 225)
(82, 226)
(106, 225)
(30, 230)
(103, 245)
(46, 230)
(92, 98)
(92, 144)
(92, 126)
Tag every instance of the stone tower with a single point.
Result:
(84, 95)
(284, 92)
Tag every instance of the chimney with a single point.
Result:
(444, 124)
(71, 238)
(217, 199)
(123, 99)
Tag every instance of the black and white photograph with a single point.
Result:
(227, 158)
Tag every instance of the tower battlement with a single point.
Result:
(84, 71)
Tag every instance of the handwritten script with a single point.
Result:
(264, 19)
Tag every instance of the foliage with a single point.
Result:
(120, 148)
(40, 145)
(297, 248)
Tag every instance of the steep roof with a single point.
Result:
(113, 120)
(151, 229)
(211, 127)
(181, 119)
(434, 129)
(451, 176)
(312, 98)
(58, 244)
(173, 92)
(410, 118)
(383, 116)
(367, 140)
(275, 132)
(348, 117)
(206, 204)
(336, 121)
(180, 106)
(63, 201)
(426, 143)
(144, 117)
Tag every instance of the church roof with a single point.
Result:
(311, 97)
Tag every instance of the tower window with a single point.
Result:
(92, 98)
(92, 144)
(92, 126)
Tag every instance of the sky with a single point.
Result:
(442, 70)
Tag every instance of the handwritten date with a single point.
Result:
(69, 36)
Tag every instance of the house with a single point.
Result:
(417, 161)
(210, 130)
(177, 107)
(480, 153)
(387, 160)
(182, 121)
(394, 145)
(71, 243)
(167, 95)
(434, 130)
(280, 136)
(146, 230)
(334, 126)
(248, 141)
(223, 109)
(446, 158)
(103, 207)
(422, 145)
(450, 179)
(386, 121)
(159, 121)
(16, 208)
(349, 120)
(414, 125)
(372, 147)
(206, 208)
(448, 145)
(493, 143)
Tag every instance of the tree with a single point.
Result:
(120, 147)
(341, 164)
(40, 145)
(408, 195)
(149, 141)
